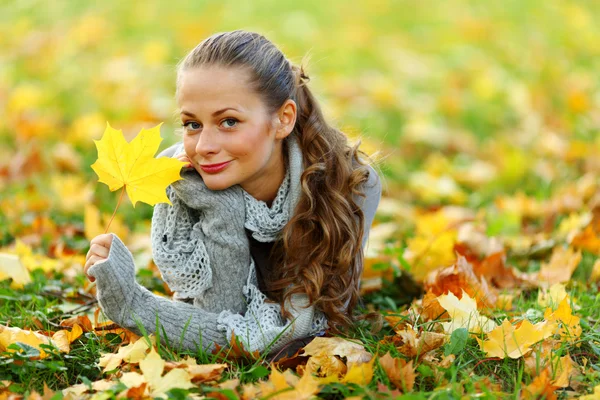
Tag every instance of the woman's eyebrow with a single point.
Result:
(190, 114)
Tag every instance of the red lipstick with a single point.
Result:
(214, 168)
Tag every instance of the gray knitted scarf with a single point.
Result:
(180, 232)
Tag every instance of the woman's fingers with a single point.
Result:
(92, 260)
(104, 240)
(99, 250)
(183, 157)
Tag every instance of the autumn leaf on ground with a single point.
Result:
(464, 314)
(401, 373)
(133, 165)
(561, 265)
(361, 374)
(10, 335)
(553, 296)
(326, 357)
(283, 386)
(235, 351)
(354, 353)
(132, 353)
(570, 328)
(11, 267)
(542, 387)
(198, 373)
(415, 344)
(433, 243)
(152, 367)
(459, 277)
(506, 341)
(64, 338)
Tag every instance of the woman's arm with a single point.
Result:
(127, 303)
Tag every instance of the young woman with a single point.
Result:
(264, 238)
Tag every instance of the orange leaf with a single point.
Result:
(401, 374)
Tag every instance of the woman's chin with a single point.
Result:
(216, 183)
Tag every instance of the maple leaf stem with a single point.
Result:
(116, 208)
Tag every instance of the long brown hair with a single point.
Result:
(320, 251)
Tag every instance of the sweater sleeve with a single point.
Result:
(127, 303)
(180, 324)
(371, 201)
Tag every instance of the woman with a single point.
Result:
(264, 239)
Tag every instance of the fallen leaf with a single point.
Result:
(413, 344)
(541, 388)
(459, 277)
(561, 265)
(133, 165)
(64, 338)
(198, 373)
(506, 341)
(464, 314)
(152, 368)
(570, 328)
(132, 353)
(82, 320)
(553, 296)
(354, 353)
(10, 335)
(11, 267)
(360, 373)
(401, 373)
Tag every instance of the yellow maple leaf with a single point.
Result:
(11, 267)
(506, 341)
(464, 314)
(133, 165)
(571, 329)
(361, 374)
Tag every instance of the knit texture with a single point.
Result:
(200, 246)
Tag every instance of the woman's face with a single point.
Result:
(226, 122)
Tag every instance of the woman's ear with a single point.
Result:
(286, 119)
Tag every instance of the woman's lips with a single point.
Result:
(213, 168)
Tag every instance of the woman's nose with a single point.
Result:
(208, 143)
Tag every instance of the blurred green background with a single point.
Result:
(464, 100)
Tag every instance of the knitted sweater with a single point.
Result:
(231, 303)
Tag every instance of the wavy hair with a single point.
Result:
(320, 251)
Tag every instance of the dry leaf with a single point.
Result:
(553, 296)
(570, 328)
(82, 320)
(417, 345)
(354, 353)
(64, 338)
(10, 335)
(541, 388)
(133, 165)
(401, 373)
(464, 314)
(561, 265)
(361, 374)
(11, 267)
(132, 353)
(506, 341)
(459, 277)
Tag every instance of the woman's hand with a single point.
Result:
(99, 249)
(183, 157)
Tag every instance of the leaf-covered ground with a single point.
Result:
(483, 259)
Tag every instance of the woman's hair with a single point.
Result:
(320, 253)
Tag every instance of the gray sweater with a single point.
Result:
(205, 324)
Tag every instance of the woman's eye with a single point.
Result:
(233, 120)
(191, 125)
